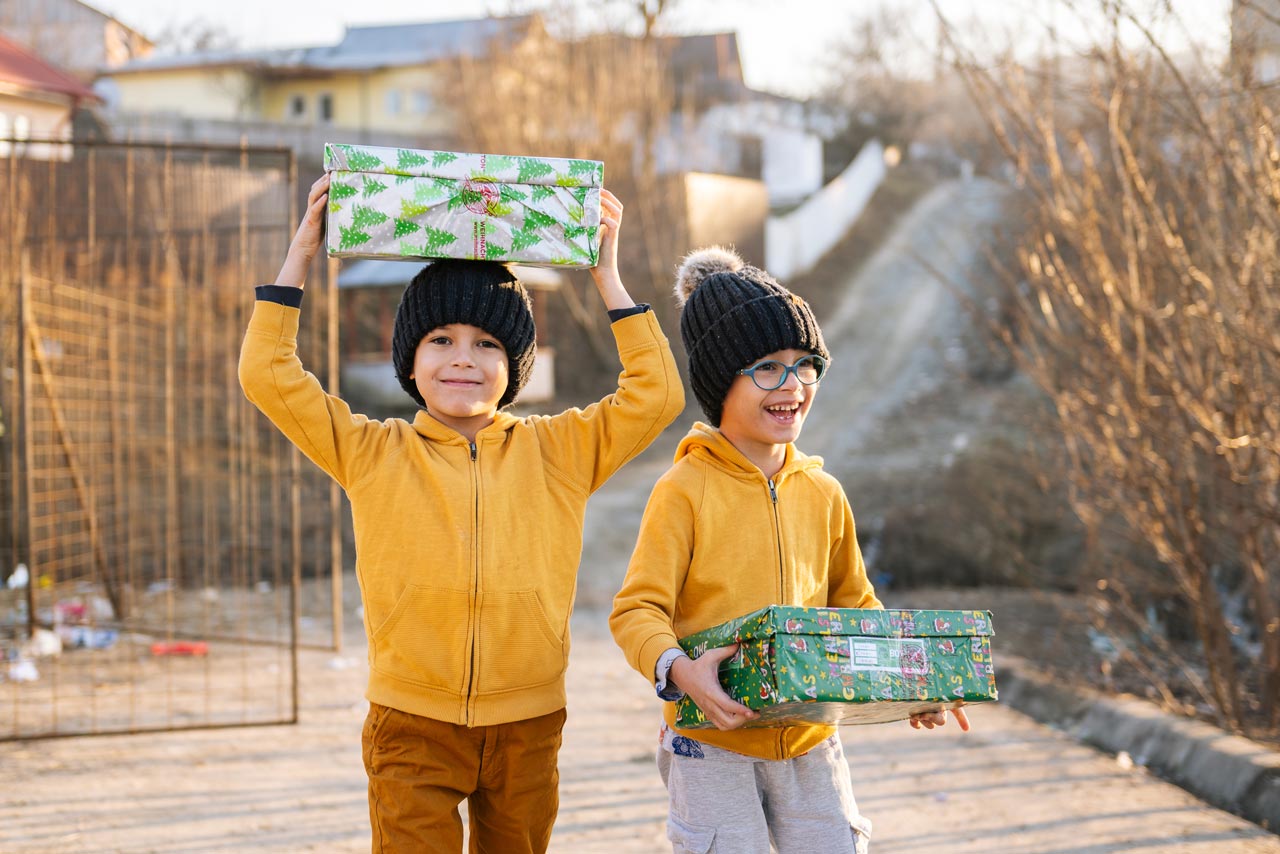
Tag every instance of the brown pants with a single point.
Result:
(421, 769)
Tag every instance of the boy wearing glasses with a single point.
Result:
(743, 520)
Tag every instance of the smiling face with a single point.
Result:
(761, 423)
(461, 372)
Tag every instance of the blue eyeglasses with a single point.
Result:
(771, 374)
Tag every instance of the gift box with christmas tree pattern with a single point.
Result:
(847, 665)
(408, 204)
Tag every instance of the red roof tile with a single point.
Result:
(20, 67)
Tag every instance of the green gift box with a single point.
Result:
(400, 203)
(847, 665)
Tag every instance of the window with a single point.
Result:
(324, 107)
(1268, 68)
(393, 102)
(21, 127)
(421, 102)
(297, 107)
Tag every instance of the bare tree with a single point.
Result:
(195, 36)
(603, 96)
(1144, 300)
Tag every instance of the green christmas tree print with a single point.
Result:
(537, 219)
(372, 186)
(407, 160)
(465, 197)
(522, 240)
(588, 168)
(360, 160)
(411, 210)
(496, 208)
(568, 181)
(437, 238)
(351, 237)
(581, 193)
(430, 191)
(404, 226)
(531, 167)
(498, 163)
(495, 251)
(542, 193)
(511, 194)
(574, 232)
(443, 158)
(365, 217)
(341, 190)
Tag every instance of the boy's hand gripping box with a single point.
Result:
(848, 665)
(406, 204)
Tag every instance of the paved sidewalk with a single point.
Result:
(1010, 785)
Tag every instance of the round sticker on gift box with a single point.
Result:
(480, 196)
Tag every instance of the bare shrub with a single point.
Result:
(1144, 302)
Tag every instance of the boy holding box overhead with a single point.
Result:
(468, 524)
(743, 520)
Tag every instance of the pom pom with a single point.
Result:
(700, 264)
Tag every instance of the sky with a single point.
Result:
(786, 46)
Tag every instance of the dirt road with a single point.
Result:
(1010, 785)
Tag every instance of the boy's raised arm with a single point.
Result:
(319, 424)
(306, 240)
(605, 272)
(590, 444)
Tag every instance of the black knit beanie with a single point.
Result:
(479, 293)
(732, 316)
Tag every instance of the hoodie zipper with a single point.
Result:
(777, 537)
(473, 638)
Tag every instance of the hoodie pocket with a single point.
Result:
(424, 638)
(519, 648)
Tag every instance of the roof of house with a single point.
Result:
(362, 48)
(23, 69)
(711, 55)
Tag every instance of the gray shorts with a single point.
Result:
(726, 803)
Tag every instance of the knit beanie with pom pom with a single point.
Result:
(732, 315)
(479, 293)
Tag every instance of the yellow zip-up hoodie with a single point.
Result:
(466, 554)
(720, 540)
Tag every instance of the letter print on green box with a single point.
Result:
(848, 665)
(406, 204)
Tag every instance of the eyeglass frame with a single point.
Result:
(823, 364)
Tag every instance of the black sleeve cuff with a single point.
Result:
(616, 314)
(282, 294)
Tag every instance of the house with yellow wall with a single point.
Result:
(377, 79)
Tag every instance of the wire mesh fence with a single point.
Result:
(163, 549)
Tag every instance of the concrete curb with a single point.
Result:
(1228, 771)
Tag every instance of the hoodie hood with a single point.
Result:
(426, 425)
(707, 443)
